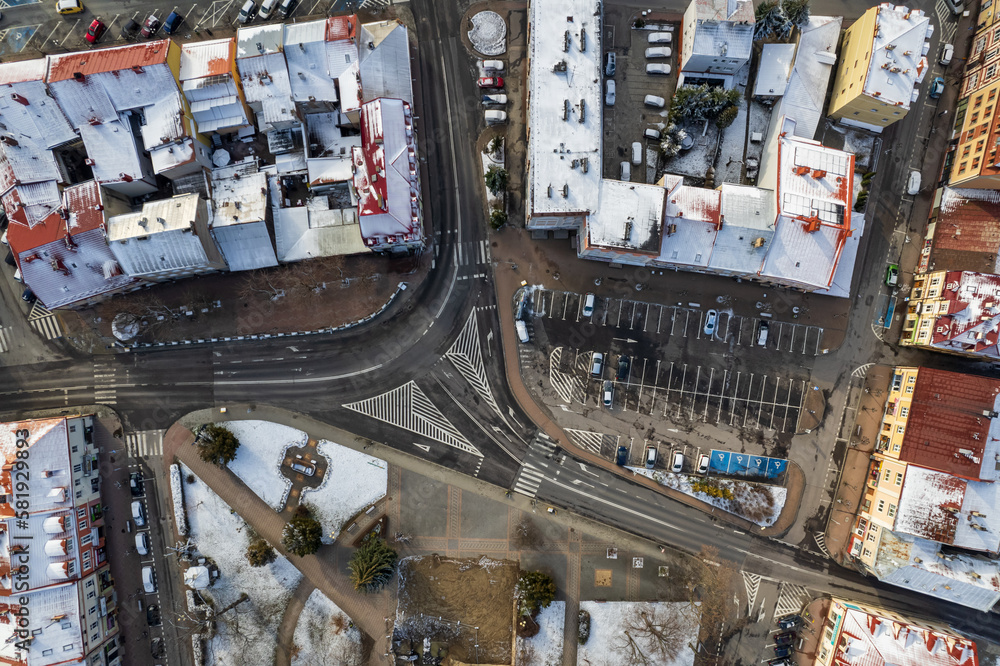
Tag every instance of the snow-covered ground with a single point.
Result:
(177, 495)
(859, 142)
(324, 636)
(258, 460)
(753, 495)
(246, 633)
(608, 621)
(546, 647)
(729, 164)
(353, 481)
(489, 33)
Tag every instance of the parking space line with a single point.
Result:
(604, 319)
(670, 380)
(687, 316)
(534, 301)
(656, 380)
(673, 321)
(621, 309)
(805, 339)
(647, 318)
(722, 398)
(725, 333)
(51, 33)
(774, 403)
(565, 303)
(746, 413)
(698, 330)
(680, 402)
(631, 317)
(760, 406)
(739, 335)
(660, 319)
(694, 397)
(642, 383)
(819, 336)
(711, 378)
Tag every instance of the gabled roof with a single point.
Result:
(62, 67)
(971, 321)
(21, 71)
(967, 232)
(203, 59)
(724, 10)
(805, 94)
(385, 69)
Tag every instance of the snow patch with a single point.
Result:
(546, 647)
(246, 634)
(489, 33)
(353, 481)
(258, 460)
(607, 624)
(177, 494)
(325, 635)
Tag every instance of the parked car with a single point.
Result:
(173, 23)
(621, 458)
(522, 331)
(789, 621)
(711, 318)
(267, 8)
(609, 393)
(624, 363)
(892, 275)
(248, 12)
(947, 54)
(913, 183)
(636, 153)
(650, 457)
(136, 484)
(609, 94)
(95, 31)
(304, 467)
(653, 100)
(652, 134)
(660, 38)
(495, 117)
(762, 334)
(676, 462)
(496, 99)
(287, 7)
(658, 52)
(3, 238)
(956, 6)
(28, 296)
(138, 513)
(782, 650)
(610, 63)
(493, 65)
(491, 82)
(150, 27)
(597, 364)
(937, 87)
(69, 6)
(148, 580)
(780, 661)
(588, 305)
(626, 172)
(153, 616)
(657, 68)
(142, 543)
(131, 28)
(703, 461)
(784, 638)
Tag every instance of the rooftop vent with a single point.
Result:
(565, 190)
(79, 76)
(566, 42)
(19, 98)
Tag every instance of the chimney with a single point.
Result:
(89, 161)
(813, 224)
(801, 170)
(127, 178)
(143, 222)
(79, 76)
(59, 267)
(819, 173)
(19, 98)
(137, 69)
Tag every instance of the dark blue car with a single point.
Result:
(622, 456)
(173, 23)
(782, 650)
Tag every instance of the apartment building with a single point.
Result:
(956, 312)
(882, 64)
(717, 41)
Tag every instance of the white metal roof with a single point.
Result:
(62, 639)
(809, 79)
(266, 77)
(174, 214)
(307, 232)
(897, 61)
(255, 40)
(385, 70)
(565, 87)
(209, 58)
(163, 121)
(747, 215)
(113, 150)
(308, 66)
(775, 66)
(629, 216)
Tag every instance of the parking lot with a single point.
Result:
(625, 121)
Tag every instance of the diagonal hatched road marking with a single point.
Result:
(569, 387)
(407, 407)
(751, 582)
(591, 441)
(467, 358)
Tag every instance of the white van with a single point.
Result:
(138, 513)
(494, 65)
(657, 68)
(522, 331)
(660, 37)
(913, 184)
(637, 153)
(494, 117)
(588, 305)
(626, 171)
(653, 100)
(148, 580)
(658, 52)
(142, 543)
(499, 100)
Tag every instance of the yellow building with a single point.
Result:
(881, 63)
(955, 312)
(973, 161)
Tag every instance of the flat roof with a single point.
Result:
(629, 216)
(255, 40)
(775, 66)
(747, 229)
(724, 38)
(690, 226)
(565, 107)
(176, 213)
(898, 62)
(239, 194)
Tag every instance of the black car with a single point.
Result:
(789, 621)
(28, 296)
(153, 616)
(135, 484)
(782, 650)
(785, 638)
(622, 458)
(131, 28)
(624, 362)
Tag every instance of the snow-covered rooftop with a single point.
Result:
(385, 61)
(690, 226)
(724, 38)
(898, 62)
(564, 140)
(164, 121)
(805, 94)
(949, 509)
(724, 10)
(867, 639)
(308, 69)
(775, 66)
(747, 215)
(239, 194)
(255, 40)
(31, 115)
(209, 58)
(113, 151)
(53, 621)
(629, 216)
(919, 565)
(265, 79)
(174, 214)
(315, 230)
(971, 321)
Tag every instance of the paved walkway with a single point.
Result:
(286, 630)
(367, 611)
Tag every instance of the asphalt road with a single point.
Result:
(363, 379)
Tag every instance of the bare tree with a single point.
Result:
(526, 534)
(261, 282)
(715, 582)
(654, 633)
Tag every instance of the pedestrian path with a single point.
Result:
(145, 443)
(472, 253)
(43, 321)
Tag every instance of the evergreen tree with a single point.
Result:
(259, 553)
(796, 11)
(303, 535)
(771, 21)
(496, 179)
(218, 445)
(535, 591)
(372, 565)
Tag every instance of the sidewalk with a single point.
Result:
(854, 474)
(516, 243)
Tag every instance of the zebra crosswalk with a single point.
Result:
(43, 321)
(472, 253)
(145, 443)
(528, 481)
(4, 340)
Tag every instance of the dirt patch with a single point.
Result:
(306, 296)
(445, 599)
(602, 578)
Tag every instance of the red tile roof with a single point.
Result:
(63, 67)
(22, 238)
(973, 304)
(946, 429)
(86, 210)
(968, 223)
(341, 27)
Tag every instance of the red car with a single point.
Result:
(95, 31)
(151, 26)
(491, 82)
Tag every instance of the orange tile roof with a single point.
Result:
(341, 27)
(63, 67)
